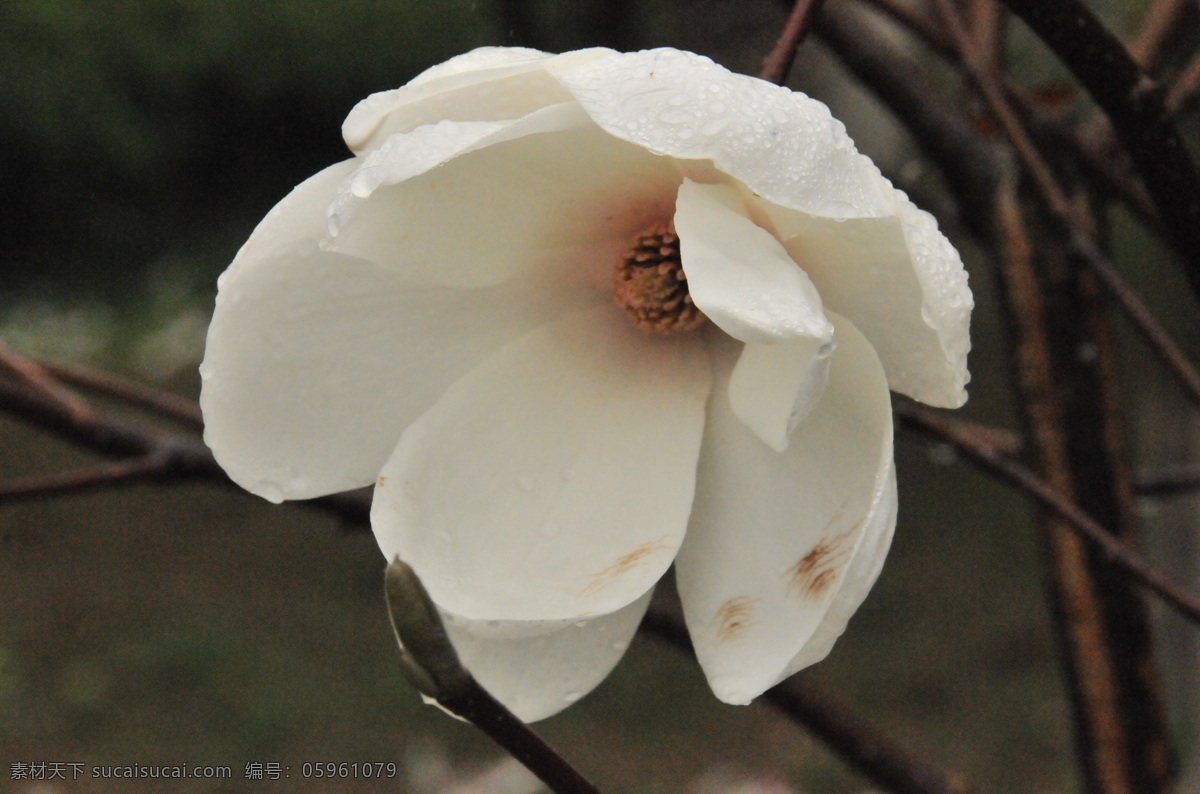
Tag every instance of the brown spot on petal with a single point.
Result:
(379, 483)
(734, 617)
(815, 572)
(625, 564)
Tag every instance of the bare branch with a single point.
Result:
(105, 474)
(34, 375)
(1169, 480)
(778, 63)
(132, 392)
(1144, 320)
(1164, 22)
(993, 461)
(860, 745)
(431, 664)
(1134, 105)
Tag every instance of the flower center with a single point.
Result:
(650, 283)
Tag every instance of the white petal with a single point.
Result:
(739, 275)
(538, 673)
(316, 362)
(773, 535)
(406, 155)
(774, 387)
(564, 202)
(488, 84)
(554, 480)
(860, 577)
(781, 144)
(901, 283)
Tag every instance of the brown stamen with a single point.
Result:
(650, 284)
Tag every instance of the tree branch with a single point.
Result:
(991, 459)
(862, 746)
(1134, 105)
(778, 63)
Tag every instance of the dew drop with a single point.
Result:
(580, 624)
(525, 483)
(620, 645)
(571, 697)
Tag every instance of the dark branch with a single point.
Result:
(863, 747)
(994, 462)
(1144, 320)
(102, 475)
(778, 63)
(1134, 105)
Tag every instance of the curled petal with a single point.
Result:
(538, 671)
(781, 144)
(900, 282)
(550, 482)
(487, 84)
(547, 204)
(739, 275)
(310, 374)
(774, 387)
(774, 537)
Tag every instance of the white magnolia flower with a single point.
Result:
(483, 312)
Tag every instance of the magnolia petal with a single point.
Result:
(537, 674)
(739, 275)
(900, 282)
(565, 202)
(406, 155)
(774, 387)
(555, 479)
(304, 339)
(781, 144)
(487, 84)
(860, 577)
(773, 535)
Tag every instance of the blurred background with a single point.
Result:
(140, 143)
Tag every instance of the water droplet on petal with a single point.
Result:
(525, 483)
(571, 697)
(620, 645)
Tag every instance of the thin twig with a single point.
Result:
(1169, 480)
(132, 392)
(778, 63)
(860, 745)
(1164, 22)
(432, 665)
(992, 460)
(1144, 320)
(1185, 88)
(1134, 105)
(34, 374)
(117, 472)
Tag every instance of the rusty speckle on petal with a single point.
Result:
(733, 617)
(379, 483)
(625, 564)
(815, 572)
